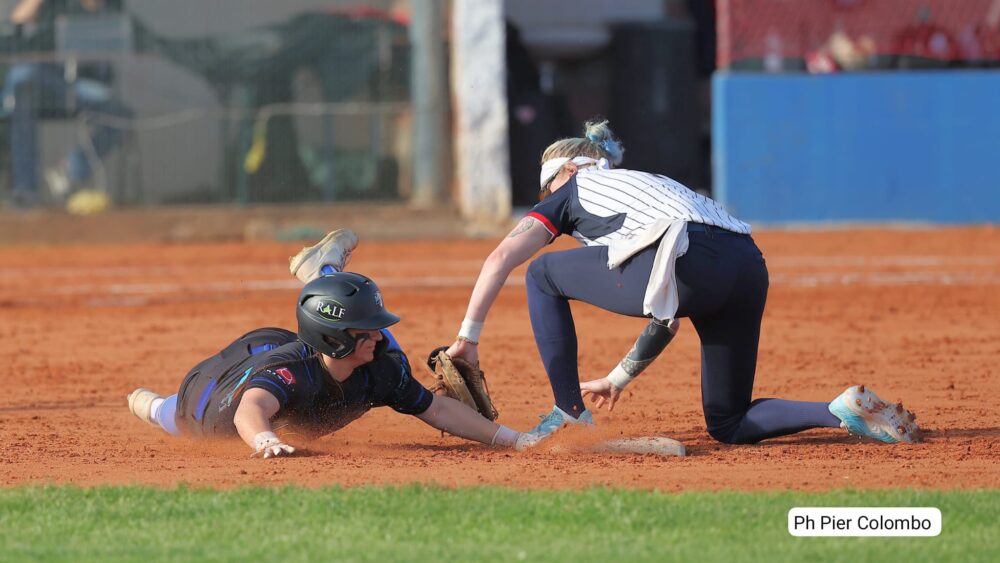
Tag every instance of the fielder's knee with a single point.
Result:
(725, 429)
(537, 275)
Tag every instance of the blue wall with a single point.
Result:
(900, 146)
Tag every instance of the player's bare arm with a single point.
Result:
(523, 242)
(526, 239)
(454, 417)
(253, 422)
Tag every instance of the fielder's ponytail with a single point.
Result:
(598, 142)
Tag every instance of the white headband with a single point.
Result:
(552, 166)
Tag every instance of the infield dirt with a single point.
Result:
(915, 314)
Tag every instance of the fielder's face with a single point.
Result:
(364, 350)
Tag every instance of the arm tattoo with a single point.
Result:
(521, 227)
(647, 347)
(634, 367)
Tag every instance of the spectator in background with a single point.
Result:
(842, 52)
(32, 90)
(979, 43)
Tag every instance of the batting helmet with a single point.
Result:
(329, 305)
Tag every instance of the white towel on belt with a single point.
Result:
(661, 299)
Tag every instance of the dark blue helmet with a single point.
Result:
(329, 305)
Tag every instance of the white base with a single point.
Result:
(657, 445)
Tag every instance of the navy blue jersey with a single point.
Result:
(311, 401)
(597, 206)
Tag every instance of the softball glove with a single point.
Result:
(462, 381)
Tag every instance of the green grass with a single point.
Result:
(430, 524)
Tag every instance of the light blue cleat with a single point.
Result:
(553, 421)
(862, 413)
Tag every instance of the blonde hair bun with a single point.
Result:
(598, 142)
(599, 132)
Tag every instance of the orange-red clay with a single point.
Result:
(915, 314)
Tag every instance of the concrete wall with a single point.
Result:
(901, 146)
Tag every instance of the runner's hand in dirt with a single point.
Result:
(465, 350)
(268, 444)
(601, 391)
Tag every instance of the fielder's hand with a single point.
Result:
(601, 391)
(465, 350)
(268, 444)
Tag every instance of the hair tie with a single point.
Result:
(605, 143)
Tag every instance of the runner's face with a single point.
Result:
(366, 340)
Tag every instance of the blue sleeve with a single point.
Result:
(280, 382)
(398, 388)
(393, 345)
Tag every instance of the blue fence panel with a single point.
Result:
(900, 146)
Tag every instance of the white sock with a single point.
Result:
(154, 409)
(505, 436)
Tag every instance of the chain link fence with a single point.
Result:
(180, 103)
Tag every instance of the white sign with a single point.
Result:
(864, 521)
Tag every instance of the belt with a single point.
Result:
(703, 228)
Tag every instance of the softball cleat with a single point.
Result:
(140, 403)
(862, 413)
(334, 251)
(550, 423)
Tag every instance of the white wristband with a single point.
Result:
(619, 377)
(264, 439)
(470, 330)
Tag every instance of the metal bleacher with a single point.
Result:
(79, 39)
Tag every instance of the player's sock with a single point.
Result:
(164, 412)
(154, 407)
(327, 270)
(505, 436)
(555, 336)
(767, 418)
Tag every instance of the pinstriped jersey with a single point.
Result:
(598, 206)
